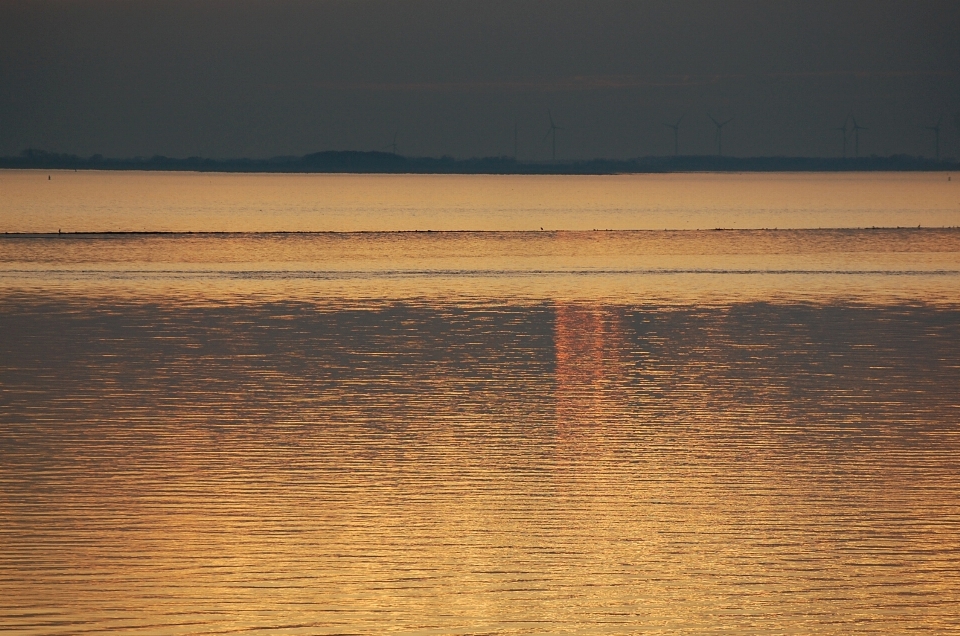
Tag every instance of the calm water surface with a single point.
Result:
(684, 432)
(47, 201)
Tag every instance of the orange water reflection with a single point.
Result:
(907, 265)
(589, 345)
(93, 201)
(329, 466)
(593, 432)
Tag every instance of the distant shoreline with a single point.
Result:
(103, 233)
(356, 162)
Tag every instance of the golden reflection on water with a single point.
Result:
(418, 466)
(589, 346)
(646, 266)
(519, 433)
(91, 201)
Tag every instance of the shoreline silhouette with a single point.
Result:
(362, 162)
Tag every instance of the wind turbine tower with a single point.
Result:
(676, 134)
(393, 146)
(552, 133)
(936, 132)
(719, 126)
(856, 135)
(843, 129)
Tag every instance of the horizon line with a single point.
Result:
(94, 233)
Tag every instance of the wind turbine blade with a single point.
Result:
(715, 122)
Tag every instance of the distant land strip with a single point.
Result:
(228, 233)
(358, 162)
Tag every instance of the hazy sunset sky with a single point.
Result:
(230, 78)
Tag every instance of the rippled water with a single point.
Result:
(481, 432)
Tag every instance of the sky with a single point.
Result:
(262, 78)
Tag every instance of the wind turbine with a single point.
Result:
(843, 129)
(676, 134)
(552, 133)
(719, 126)
(393, 146)
(856, 134)
(936, 132)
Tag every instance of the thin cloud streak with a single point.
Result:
(608, 82)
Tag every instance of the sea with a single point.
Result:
(460, 404)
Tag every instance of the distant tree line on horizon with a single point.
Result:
(347, 161)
